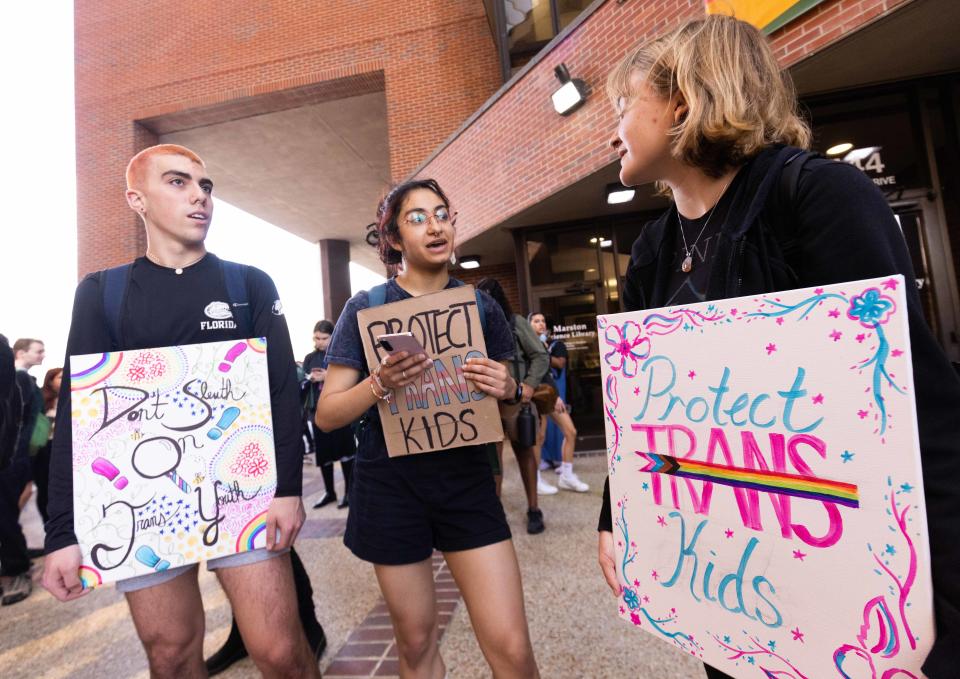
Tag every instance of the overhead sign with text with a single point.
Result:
(440, 409)
(765, 481)
(173, 456)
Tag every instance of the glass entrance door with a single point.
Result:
(571, 313)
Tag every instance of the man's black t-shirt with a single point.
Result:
(691, 287)
(162, 308)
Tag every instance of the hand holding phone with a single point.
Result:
(401, 341)
(404, 362)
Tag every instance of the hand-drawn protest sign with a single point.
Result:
(173, 456)
(442, 409)
(765, 480)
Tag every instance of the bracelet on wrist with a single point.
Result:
(376, 378)
(384, 394)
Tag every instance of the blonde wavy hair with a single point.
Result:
(738, 100)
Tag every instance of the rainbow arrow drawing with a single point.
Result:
(823, 490)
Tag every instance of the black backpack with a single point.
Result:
(113, 291)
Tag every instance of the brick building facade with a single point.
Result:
(143, 70)
(529, 185)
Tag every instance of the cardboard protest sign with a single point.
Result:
(441, 409)
(173, 456)
(765, 481)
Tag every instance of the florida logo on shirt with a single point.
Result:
(221, 315)
(218, 311)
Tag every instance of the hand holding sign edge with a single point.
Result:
(285, 515)
(490, 377)
(61, 573)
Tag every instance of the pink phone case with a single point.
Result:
(403, 341)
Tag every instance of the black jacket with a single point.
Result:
(840, 229)
(11, 405)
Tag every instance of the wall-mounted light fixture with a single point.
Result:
(572, 92)
(618, 193)
(470, 262)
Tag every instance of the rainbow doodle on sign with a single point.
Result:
(251, 532)
(85, 378)
(146, 421)
(89, 577)
(796, 485)
(752, 444)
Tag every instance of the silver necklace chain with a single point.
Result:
(687, 264)
(176, 269)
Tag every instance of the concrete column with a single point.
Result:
(335, 276)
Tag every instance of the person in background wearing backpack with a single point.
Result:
(705, 112)
(176, 294)
(29, 353)
(339, 444)
(529, 367)
(402, 508)
(558, 417)
(49, 392)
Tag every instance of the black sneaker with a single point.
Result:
(324, 500)
(317, 639)
(17, 589)
(535, 521)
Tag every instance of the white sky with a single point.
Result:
(38, 260)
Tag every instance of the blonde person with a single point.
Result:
(705, 112)
(567, 480)
(403, 508)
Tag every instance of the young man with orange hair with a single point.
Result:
(177, 294)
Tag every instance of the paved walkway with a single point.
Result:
(572, 618)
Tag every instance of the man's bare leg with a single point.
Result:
(265, 605)
(170, 624)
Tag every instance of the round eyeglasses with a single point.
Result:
(441, 215)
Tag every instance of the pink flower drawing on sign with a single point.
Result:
(250, 461)
(628, 348)
(148, 365)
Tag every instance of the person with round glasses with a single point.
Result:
(403, 508)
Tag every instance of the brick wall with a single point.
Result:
(506, 274)
(520, 151)
(178, 61)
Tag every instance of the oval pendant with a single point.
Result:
(180, 271)
(687, 264)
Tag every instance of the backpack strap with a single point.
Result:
(788, 192)
(377, 295)
(235, 280)
(113, 291)
(483, 313)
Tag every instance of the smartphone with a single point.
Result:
(401, 341)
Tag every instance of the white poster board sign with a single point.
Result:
(765, 481)
(173, 456)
